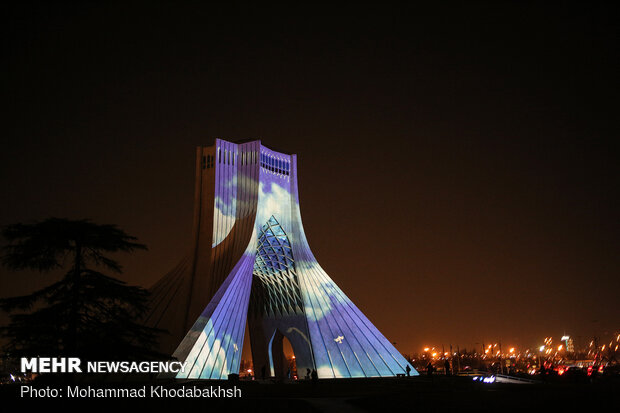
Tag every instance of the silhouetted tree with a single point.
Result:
(87, 313)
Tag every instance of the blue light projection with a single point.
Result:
(275, 268)
(213, 346)
(255, 204)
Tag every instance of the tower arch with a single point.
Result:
(251, 262)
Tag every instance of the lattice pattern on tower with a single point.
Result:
(275, 290)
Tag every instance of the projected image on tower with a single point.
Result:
(251, 262)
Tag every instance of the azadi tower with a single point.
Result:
(250, 262)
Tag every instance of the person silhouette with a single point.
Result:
(315, 377)
(308, 372)
(408, 370)
(446, 366)
(429, 369)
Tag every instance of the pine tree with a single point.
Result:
(86, 314)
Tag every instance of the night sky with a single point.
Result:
(458, 165)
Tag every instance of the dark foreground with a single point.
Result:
(423, 394)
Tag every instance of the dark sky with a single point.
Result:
(458, 165)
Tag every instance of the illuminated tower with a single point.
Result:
(250, 261)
